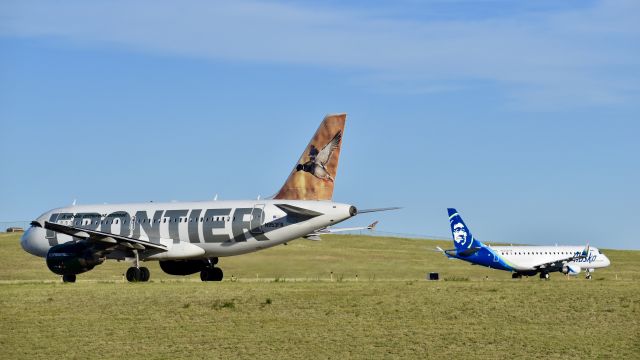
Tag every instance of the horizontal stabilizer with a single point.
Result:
(377, 210)
(456, 253)
(331, 230)
(297, 213)
(469, 252)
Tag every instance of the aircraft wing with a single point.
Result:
(315, 236)
(559, 264)
(106, 240)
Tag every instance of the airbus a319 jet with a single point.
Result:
(190, 237)
(522, 260)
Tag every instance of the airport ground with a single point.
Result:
(344, 297)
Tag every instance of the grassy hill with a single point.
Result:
(284, 304)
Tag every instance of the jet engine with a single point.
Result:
(182, 267)
(571, 269)
(72, 258)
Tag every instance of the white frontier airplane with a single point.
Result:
(522, 260)
(189, 237)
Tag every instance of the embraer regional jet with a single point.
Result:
(189, 237)
(522, 260)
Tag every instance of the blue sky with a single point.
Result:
(523, 115)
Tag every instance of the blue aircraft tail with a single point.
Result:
(462, 238)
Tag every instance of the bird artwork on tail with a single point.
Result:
(316, 165)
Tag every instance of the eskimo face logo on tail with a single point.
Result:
(318, 160)
(460, 233)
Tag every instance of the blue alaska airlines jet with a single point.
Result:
(522, 260)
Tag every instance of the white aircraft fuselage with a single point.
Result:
(527, 258)
(191, 230)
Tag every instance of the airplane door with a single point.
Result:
(257, 219)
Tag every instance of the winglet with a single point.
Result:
(585, 252)
(372, 226)
(313, 176)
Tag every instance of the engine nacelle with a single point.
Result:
(72, 258)
(571, 269)
(182, 267)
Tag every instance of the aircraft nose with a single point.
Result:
(607, 262)
(34, 241)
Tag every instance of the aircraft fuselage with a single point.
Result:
(219, 228)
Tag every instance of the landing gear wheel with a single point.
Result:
(69, 278)
(544, 276)
(588, 276)
(216, 274)
(211, 274)
(134, 274)
(145, 274)
(205, 275)
(516, 276)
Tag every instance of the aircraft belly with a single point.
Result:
(518, 266)
(275, 238)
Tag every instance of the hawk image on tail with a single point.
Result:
(318, 159)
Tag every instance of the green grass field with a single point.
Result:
(285, 304)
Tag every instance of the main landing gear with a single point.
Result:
(69, 278)
(516, 276)
(544, 275)
(210, 272)
(588, 275)
(137, 273)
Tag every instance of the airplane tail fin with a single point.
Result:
(462, 237)
(313, 176)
